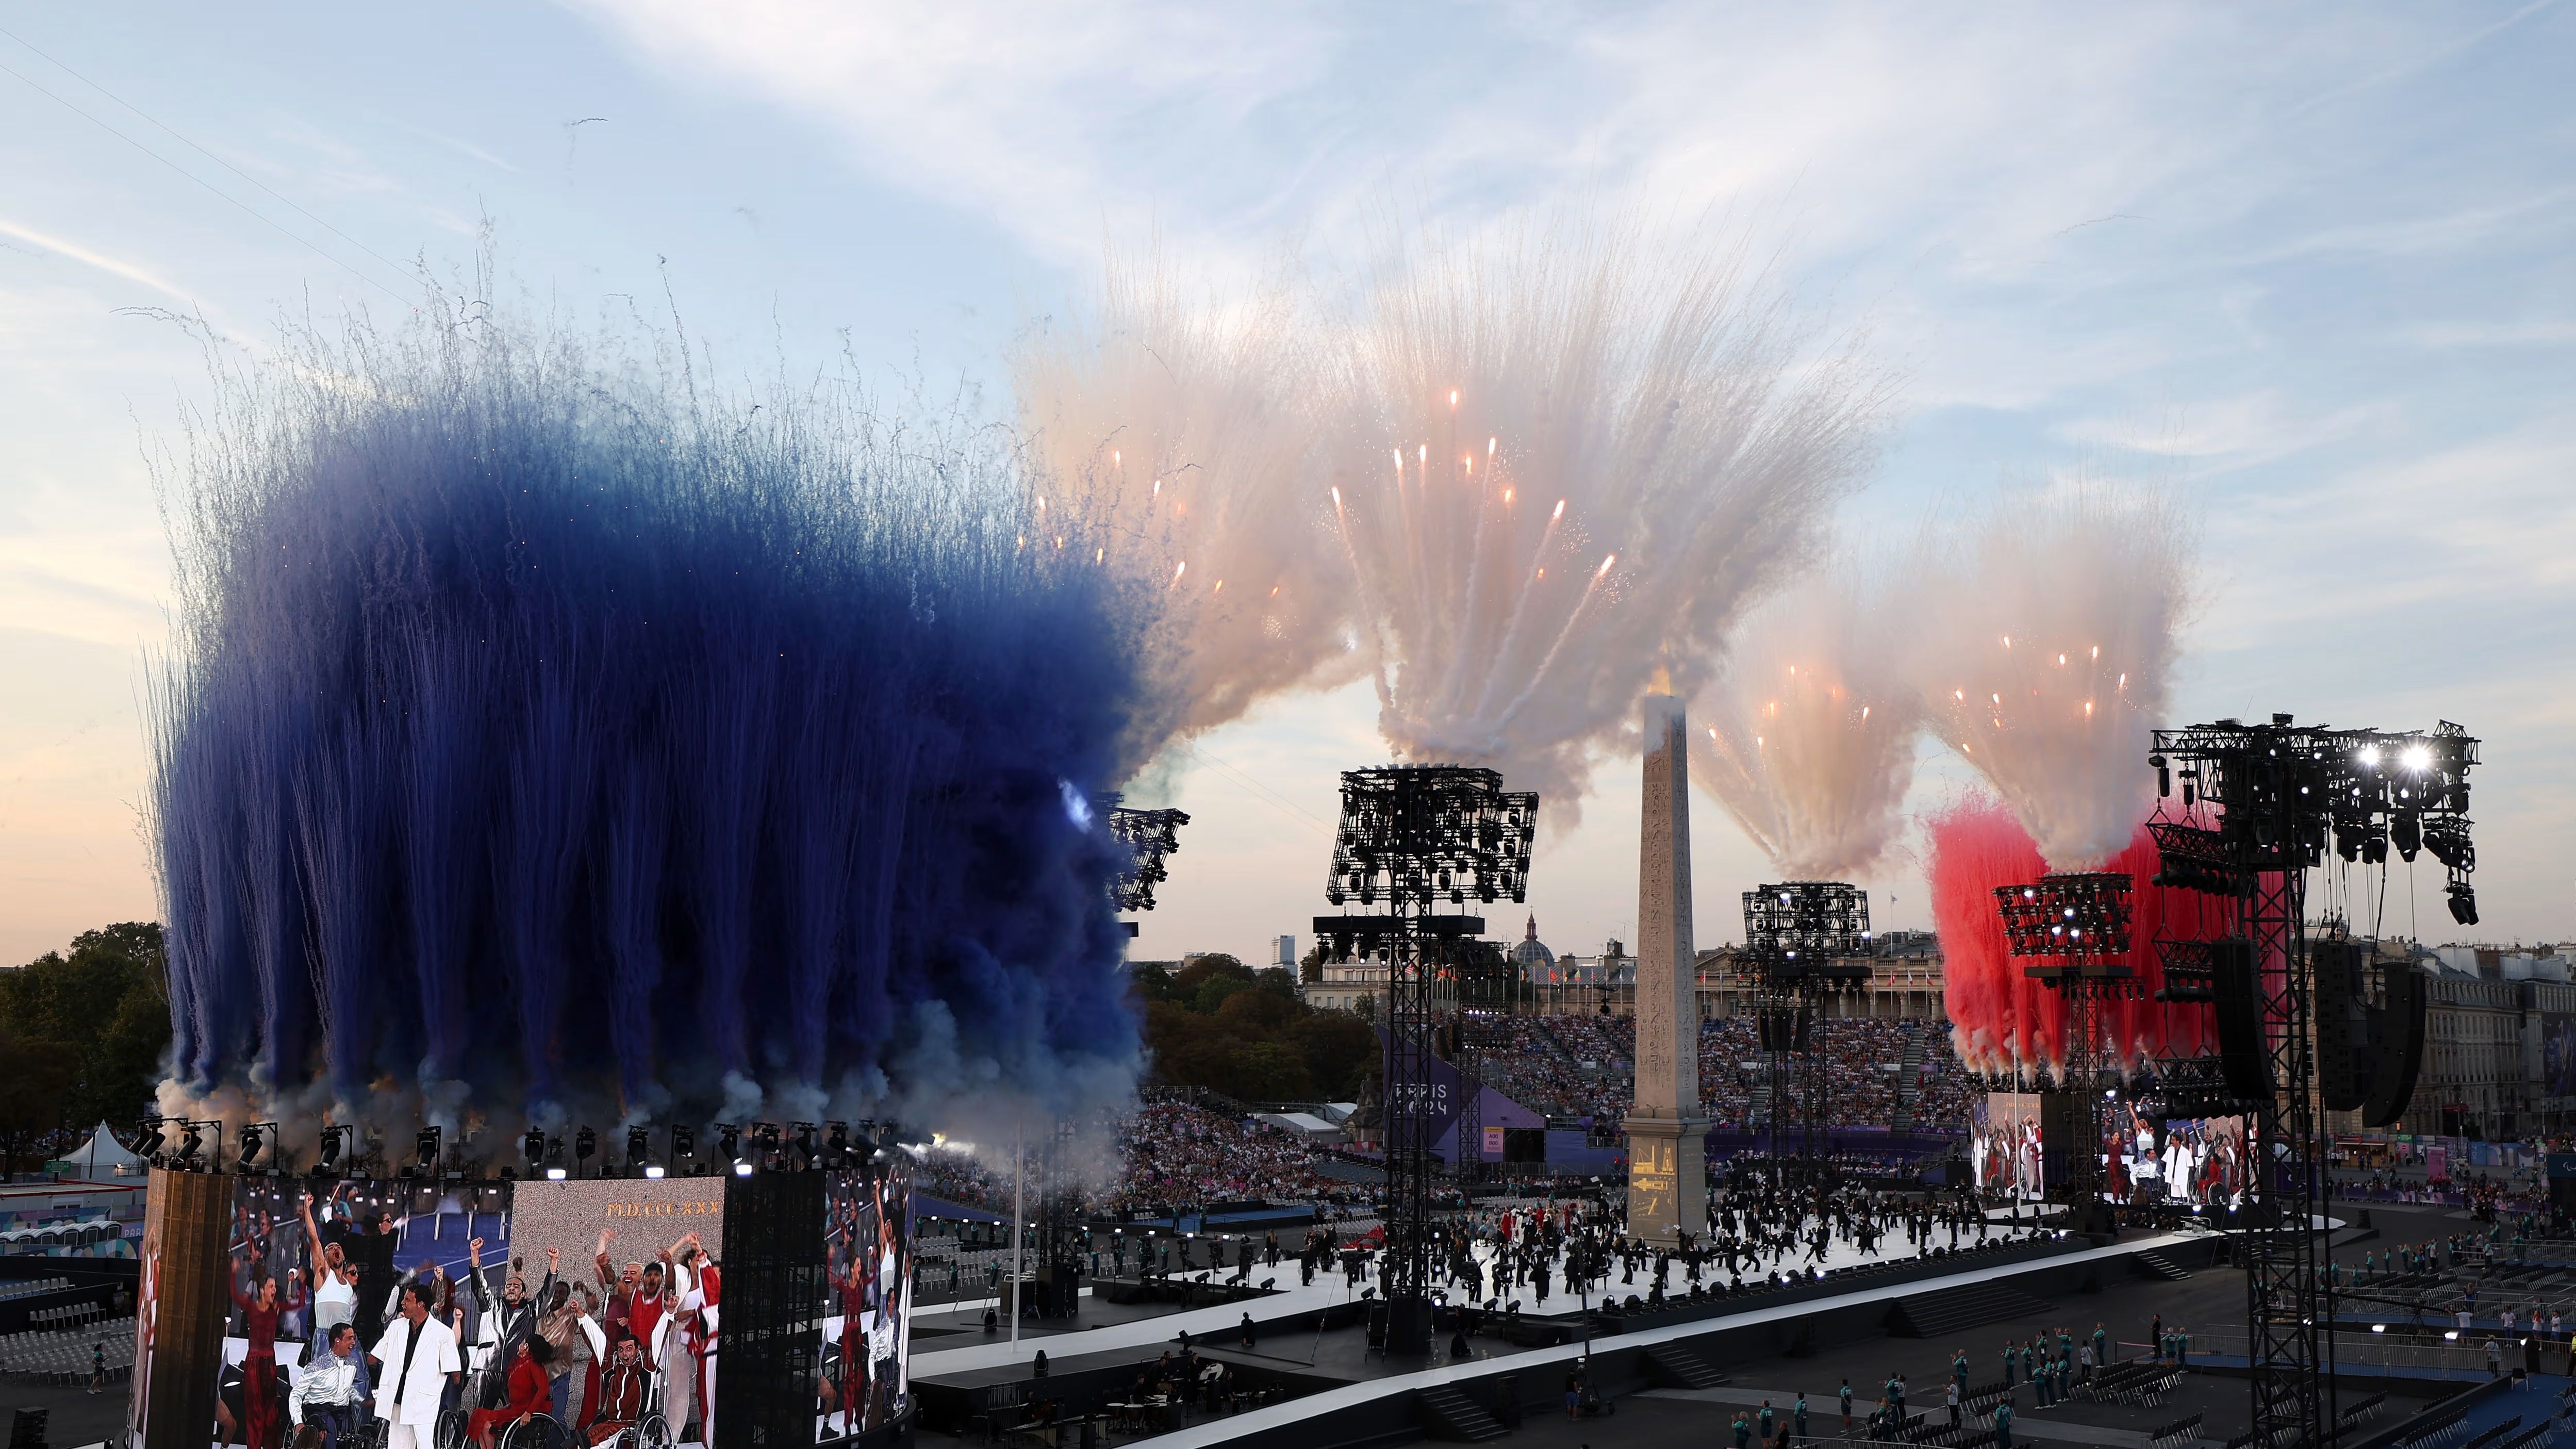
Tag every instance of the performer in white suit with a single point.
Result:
(416, 1360)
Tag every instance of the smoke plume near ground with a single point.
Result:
(551, 740)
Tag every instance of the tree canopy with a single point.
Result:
(1218, 1023)
(83, 1032)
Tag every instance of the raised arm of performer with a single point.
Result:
(482, 1288)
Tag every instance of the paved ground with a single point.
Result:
(76, 1418)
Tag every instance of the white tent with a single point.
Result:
(102, 1157)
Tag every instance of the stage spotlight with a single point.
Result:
(148, 1138)
(742, 1169)
(684, 1144)
(836, 1144)
(425, 1151)
(554, 1174)
(192, 1140)
(728, 1141)
(2416, 758)
(584, 1143)
(806, 1148)
(639, 1145)
(533, 1146)
(334, 1142)
(2464, 903)
(249, 1153)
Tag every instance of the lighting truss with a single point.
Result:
(1413, 837)
(2073, 927)
(2261, 804)
(1149, 835)
(2080, 919)
(1803, 940)
(1803, 926)
(2192, 1088)
(2190, 970)
(1431, 832)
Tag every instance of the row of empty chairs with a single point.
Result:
(26, 1287)
(69, 1357)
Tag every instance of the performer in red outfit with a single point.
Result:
(531, 1392)
(621, 1392)
(262, 1414)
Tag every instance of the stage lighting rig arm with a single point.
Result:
(1148, 836)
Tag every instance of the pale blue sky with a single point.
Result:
(2316, 264)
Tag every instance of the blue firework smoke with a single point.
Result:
(546, 742)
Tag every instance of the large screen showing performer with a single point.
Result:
(318, 1314)
(867, 1348)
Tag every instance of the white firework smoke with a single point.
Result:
(1169, 441)
(1811, 724)
(1561, 459)
(2049, 635)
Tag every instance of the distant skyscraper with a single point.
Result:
(1287, 952)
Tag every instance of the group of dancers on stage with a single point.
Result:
(1776, 1229)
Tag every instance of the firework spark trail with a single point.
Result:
(2049, 635)
(1173, 438)
(1811, 727)
(1661, 398)
(523, 703)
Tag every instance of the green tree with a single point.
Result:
(1270, 1071)
(1340, 1049)
(35, 1090)
(106, 1003)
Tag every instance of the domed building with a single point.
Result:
(1531, 960)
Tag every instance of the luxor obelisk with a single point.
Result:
(1667, 1133)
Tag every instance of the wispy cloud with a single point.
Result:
(118, 267)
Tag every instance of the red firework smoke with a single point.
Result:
(2147, 1027)
(1977, 845)
(1998, 1016)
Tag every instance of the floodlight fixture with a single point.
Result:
(639, 1145)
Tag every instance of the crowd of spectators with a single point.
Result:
(1572, 1067)
(1176, 1155)
(1580, 1066)
(1561, 1067)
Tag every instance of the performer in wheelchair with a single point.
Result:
(531, 1391)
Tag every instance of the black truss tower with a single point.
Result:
(2259, 806)
(1412, 838)
(1149, 835)
(1804, 941)
(2075, 925)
